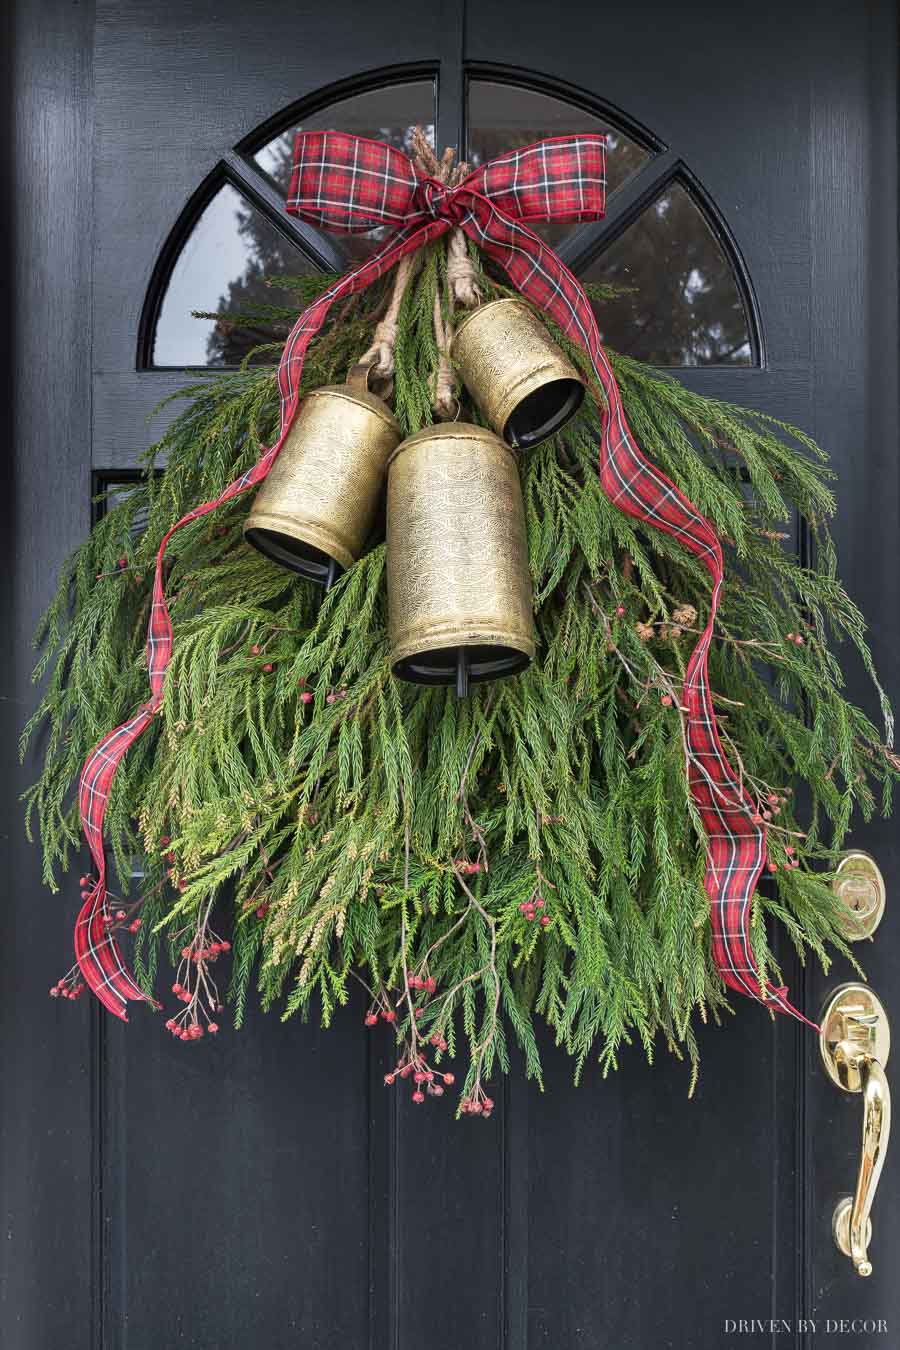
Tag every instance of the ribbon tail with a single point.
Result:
(736, 845)
(97, 951)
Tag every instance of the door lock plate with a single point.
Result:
(859, 886)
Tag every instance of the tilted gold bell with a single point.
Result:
(521, 381)
(459, 588)
(314, 511)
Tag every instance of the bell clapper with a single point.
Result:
(462, 673)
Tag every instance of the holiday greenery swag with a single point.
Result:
(530, 851)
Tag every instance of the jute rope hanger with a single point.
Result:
(462, 287)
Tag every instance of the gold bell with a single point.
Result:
(459, 588)
(315, 510)
(522, 382)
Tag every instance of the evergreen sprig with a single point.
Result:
(361, 827)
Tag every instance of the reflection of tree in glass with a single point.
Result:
(682, 306)
(270, 255)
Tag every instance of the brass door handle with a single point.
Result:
(855, 1041)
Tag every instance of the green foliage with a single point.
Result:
(346, 822)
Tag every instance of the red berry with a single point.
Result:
(225, 946)
(134, 925)
(418, 1012)
(756, 819)
(166, 839)
(213, 1028)
(666, 700)
(545, 920)
(418, 1097)
(448, 1079)
(773, 799)
(389, 1015)
(540, 902)
(767, 815)
(306, 698)
(789, 850)
(122, 562)
(329, 698)
(523, 908)
(431, 984)
(84, 881)
(529, 917)
(255, 649)
(798, 640)
(773, 866)
(268, 668)
(262, 911)
(120, 914)
(419, 1077)
(406, 1071)
(437, 1090)
(301, 683)
(620, 610)
(488, 1104)
(54, 991)
(371, 1019)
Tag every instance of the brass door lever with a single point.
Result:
(855, 1041)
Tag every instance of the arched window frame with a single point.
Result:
(238, 169)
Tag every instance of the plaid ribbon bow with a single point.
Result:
(350, 184)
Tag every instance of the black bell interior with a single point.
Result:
(543, 412)
(461, 666)
(296, 555)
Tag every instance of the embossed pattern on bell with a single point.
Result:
(520, 379)
(457, 556)
(321, 495)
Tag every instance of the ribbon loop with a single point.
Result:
(349, 184)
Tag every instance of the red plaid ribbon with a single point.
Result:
(349, 184)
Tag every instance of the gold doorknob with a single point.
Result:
(855, 1040)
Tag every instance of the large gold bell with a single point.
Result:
(521, 381)
(315, 510)
(459, 588)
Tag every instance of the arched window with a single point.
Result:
(680, 296)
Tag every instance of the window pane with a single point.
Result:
(682, 306)
(387, 114)
(230, 254)
(502, 117)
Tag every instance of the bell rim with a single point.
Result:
(436, 637)
(569, 409)
(305, 532)
(507, 662)
(457, 431)
(374, 404)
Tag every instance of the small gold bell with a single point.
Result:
(315, 510)
(459, 588)
(522, 382)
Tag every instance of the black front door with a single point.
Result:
(268, 1191)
